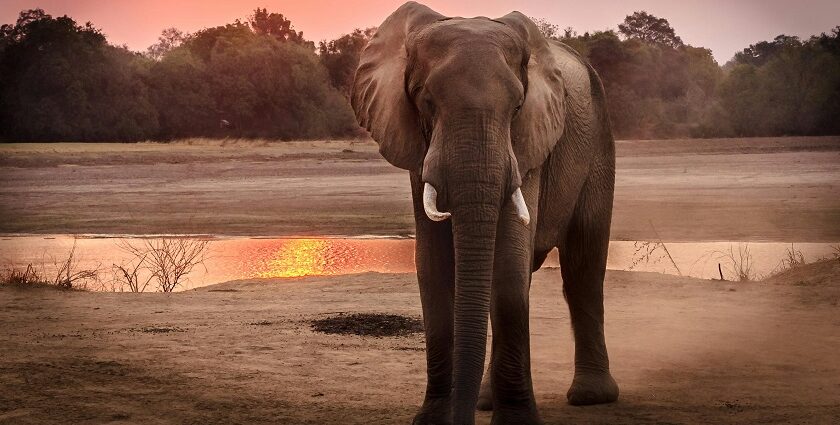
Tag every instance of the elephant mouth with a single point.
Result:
(430, 205)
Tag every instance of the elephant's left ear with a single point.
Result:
(539, 124)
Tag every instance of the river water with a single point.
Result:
(245, 258)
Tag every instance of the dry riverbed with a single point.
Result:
(683, 350)
(774, 189)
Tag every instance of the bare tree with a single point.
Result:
(547, 29)
(168, 260)
(128, 275)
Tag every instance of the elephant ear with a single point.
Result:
(540, 122)
(379, 97)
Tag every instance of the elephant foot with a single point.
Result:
(434, 412)
(592, 388)
(524, 417)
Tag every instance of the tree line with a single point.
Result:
(659, 87)
(261, 78)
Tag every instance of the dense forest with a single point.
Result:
(62, 81)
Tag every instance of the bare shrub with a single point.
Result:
(652, 251)
(646, 252)
(167, 260)
(128, 275)
(68, 276)
(18, 277)
(793, 258)
(737, 263)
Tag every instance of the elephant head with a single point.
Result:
(471, 105)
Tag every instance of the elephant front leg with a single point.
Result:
(510, 383)
(583, 261)
(434, 257)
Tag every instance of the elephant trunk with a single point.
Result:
(476, 174)
(474, 234)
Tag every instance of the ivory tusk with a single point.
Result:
(430, 204)
(521, 206)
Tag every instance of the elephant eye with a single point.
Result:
(516, 109)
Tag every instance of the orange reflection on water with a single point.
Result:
(325, 257)
(299, 257)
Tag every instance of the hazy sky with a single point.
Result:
(725, 26)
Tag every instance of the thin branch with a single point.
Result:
(655, 233)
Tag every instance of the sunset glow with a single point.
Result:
(299, 257)
(325, 257)
(723, 26)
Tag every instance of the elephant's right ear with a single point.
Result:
(378, 96)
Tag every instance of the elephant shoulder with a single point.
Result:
(575, 70)
(584, 98)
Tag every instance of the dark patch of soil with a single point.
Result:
(159, 329)
(369, 324)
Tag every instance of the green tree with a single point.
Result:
(341, 57)
(758, 54)
(62, 81)
(278, 26)
(656, 86)
(182, 95)
(262, 84)
(649, 29)
(785, 87)
(169, 39)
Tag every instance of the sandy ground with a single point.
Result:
(683, 350)
(775, 189)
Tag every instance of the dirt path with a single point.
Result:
(683, 350)
(780, 189)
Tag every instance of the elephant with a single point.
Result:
(507, 141)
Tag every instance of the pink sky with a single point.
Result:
(723, 26)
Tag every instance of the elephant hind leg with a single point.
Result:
(583, 259)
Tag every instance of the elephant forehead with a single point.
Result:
(472, 33)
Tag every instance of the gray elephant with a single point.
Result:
(508, 144)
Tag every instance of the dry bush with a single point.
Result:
(647, 252)
(737, 263)
(166, 260)
(794, 258)
(17, 277)
(67, 274)
(129, 276)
